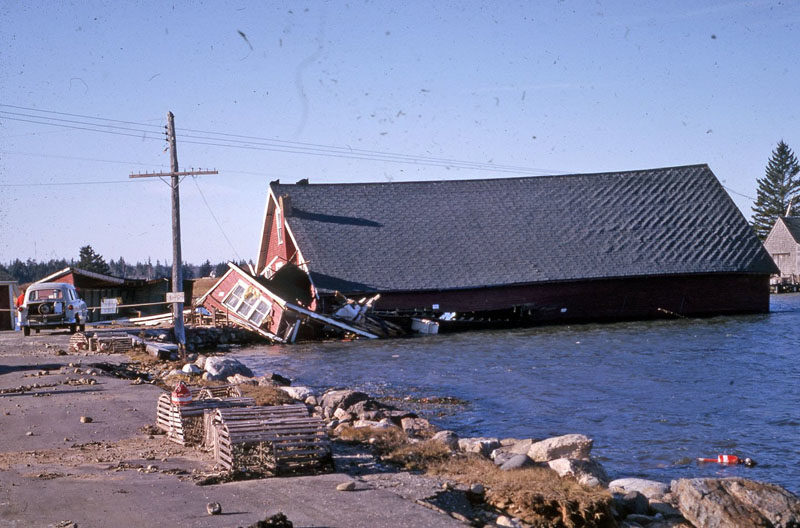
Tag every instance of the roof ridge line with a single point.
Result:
(567, 175)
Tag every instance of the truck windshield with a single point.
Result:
(40, 295)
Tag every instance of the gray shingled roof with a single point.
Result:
(793, 225)
(473, 233)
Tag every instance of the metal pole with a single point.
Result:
(177, 261)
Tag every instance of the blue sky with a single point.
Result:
(550, 86)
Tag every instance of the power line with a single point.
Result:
(74, 121)
(77, 158)
(738, 193)
(226, 140)
(141, 136)
(294, 145)
(408, 161)
(78, 115)
(349, 150)
(203, 196)
(106, 182)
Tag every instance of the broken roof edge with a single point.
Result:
(273, 185)
(254, 280)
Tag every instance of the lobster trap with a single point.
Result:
(183, 424)
(268, 440)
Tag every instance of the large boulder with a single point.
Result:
(586, 471)
(222, 367)
(448, 438)
(566, 446)
(191, 368)
(515, 462)
(718, 503)
(509, 447)
(335, 399)
(631, 503)
(480, 445)
(298, 392)
(652, 489)
(366, 409)
(275, 379)
(238, 379)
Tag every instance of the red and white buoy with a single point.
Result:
(181, 395)
(728, 459)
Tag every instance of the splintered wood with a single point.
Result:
(272, 440)
(184, 424)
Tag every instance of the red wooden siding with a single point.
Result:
(283, 248)
(613, 299)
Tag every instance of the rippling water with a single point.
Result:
(653, 395)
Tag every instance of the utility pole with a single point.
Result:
(177, 261)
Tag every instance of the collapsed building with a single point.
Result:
(509, 251)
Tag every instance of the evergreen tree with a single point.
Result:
(187, 270)
(90, 261)
(205, 269)
(779, 185)
(220, 269)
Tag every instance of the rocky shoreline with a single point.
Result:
(630, 502)
(383, 452)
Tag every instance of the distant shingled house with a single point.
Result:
(584, 247)
(783, 244)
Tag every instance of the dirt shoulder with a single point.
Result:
(111, 471)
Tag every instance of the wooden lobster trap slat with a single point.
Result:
(184, 423)
(273, 440)
(218, 391)
(111, 343)
(79, 342)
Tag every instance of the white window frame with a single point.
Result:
(279, 225)
(251, 311)
(232, 293)
(257, 316)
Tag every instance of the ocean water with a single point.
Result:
(654, 396)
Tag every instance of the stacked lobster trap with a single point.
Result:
(276, 440)
(183, 421)
(243, 437)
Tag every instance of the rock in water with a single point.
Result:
(711, 503)
(298, 392)
(334, 399)
(213, 508)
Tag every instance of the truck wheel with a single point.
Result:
(73, 328)
(26, 330)
(37, 330)
(81, 327)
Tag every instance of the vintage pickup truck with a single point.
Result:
(52, 305)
